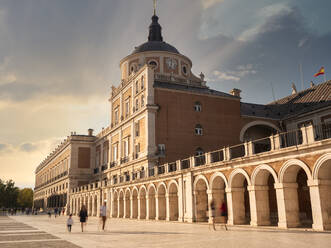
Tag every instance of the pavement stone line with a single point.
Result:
(14, 234)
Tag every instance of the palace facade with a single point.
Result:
(173, 145)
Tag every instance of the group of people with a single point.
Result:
(222, 210)
(83, 216)
(57, 212)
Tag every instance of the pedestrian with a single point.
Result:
(212, 209)
(49, 213)
(103, 214)
(70, 222)
(224, 213)
(63, 211)
(82, 216)
(55, 212)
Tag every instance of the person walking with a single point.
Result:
(103, 214)
(70, 222)
(224, 214)
(212, 209)
(82, 217)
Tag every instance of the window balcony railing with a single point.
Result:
(172, 167)
(185, 164)
(200, 160)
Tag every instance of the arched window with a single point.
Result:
(198, 130)
(137, 104)
(199, 151)
(197, 107)
(153, 64)
(142, 101)
(137, 86)
(142, 82)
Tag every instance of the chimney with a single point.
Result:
(90, 132)
(294, 89)
(312, 84)
(235, 92)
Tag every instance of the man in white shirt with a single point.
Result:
(103, 214)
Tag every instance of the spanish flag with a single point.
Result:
(320, 72)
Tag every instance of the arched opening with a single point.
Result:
(151, 204)
(115, 205)
(142, 204)
(324, 187)
(161, 202)
(121, 205)
(95, 209)
(90, 206)
(265, 197)
(240, 200)
(259, 134)
(79, 206)
(297, 197)
(127, 204)
(134, 204)
(173, 202)
(219, 198)
(201, 201)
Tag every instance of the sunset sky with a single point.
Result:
(59, 59)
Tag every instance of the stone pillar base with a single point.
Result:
(260, 223)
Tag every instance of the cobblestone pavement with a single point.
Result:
(15, 234)
(122, 233)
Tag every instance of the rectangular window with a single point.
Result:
(137, 87)
(137, 104)
(161, 148)
(137, 129)
(116, 115)
(115, 153)
(127, 107)
(142, 101)
(126, 147)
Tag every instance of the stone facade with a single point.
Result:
(173, 146)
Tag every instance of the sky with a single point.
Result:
(59, 59)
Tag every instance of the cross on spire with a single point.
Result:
(154, 7)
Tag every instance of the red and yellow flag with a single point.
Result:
(320, 72)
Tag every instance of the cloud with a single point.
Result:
(209, 3)
(28, 147)
(236, 75)
(3, 147)
(224, 76)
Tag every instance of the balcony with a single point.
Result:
(185, 164)
(96, 170)
(200, 160)
(113, 164)
(124, 160)
(103, 167)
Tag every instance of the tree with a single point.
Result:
(25, 198)
(8, 194)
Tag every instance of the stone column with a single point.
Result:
(188, 194)
(287, 204)
(210, 213)
(229, 205)
(147, 206)
(112, 202)
(259, 205)
(118, 206)
(320, 203)
(167, 207)
(181, 201)
(131, 207)
(138, 199)
(98, 203)
(156, 207)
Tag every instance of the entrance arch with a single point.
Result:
(134, 203)
(264, 193)
(161, 199)
(142, 203)
(239, 181)
(173, 201)
(115, 204)
(151, 202)
(90, 206)
(201, 199)
(294, 176)
(218, 184)
(121, 204)
(127, 204)
(95, 206)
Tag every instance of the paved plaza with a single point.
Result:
(40, 231)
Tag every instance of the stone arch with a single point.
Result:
(290, 163)
(200, 188)
(142, 202)
(236, 172)
(134, 195)
(127, 197)
(322, 192)
(256, 123)
(95, 205)
(294, 176)
(90, 206)
(173, 200)
(264, 179)
(218, 184)
(319, 163)
(161, 201)
(239, 211)
(151, 201)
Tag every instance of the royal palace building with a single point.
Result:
(173, 145)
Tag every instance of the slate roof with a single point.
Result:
(191, 88)
(155, 46)
(313, 98)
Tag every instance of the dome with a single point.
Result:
(155, 46)
(155, 40)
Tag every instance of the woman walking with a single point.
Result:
(82, 216)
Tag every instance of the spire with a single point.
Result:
(155, 29)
